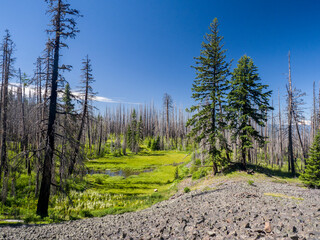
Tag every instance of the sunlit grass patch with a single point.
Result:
(137, 161)
(151, 178)
(279, 195)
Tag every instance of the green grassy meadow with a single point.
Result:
(150, 178)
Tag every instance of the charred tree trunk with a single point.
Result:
(43, 201)
(290, 145)
(6, 74)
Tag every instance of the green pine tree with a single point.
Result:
(209, 90)
(140, 131)
(311, 176)
(133, 133)
(67, 99)
(248, 102)
(155, 145)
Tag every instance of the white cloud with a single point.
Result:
(31, 89)
(305, 122)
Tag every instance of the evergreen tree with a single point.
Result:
(133, 133)
(69, 129)
(155, 144)
(209, 90)
(140, 131)
(248, 102)
(311, 176)
(67, 100)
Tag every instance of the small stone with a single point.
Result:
(211, 233)
(155, 190)
(267, 227)
(294, 229)
(295, 237)
(247, 225)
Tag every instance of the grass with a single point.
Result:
(233, 172)
(279, 195)
(99, 194)
(251, 182)
(262, 171)
(144, 160)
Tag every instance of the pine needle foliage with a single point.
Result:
(209, 91)
(311, 176)
(248, 103)
(134, 133)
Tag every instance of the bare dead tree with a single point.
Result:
(7, 71)
(290, 116)
(63, 26)
(88, 94)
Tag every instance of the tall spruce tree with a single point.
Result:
(69, 129)
(248, 103)
(311, 176)
(209, 91)
(133, 133)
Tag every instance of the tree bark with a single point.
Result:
(43, 201)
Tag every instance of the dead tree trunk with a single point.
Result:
(290, 110)
(7, 50)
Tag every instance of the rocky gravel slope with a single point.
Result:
(232, 210)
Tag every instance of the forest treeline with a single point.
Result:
(49, 130)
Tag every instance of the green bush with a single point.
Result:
(193, 169)
(86, 213)
(176, 173)
(31, 217)
(155, 144)
(199, 174)
(197, 162)
(250, 182)
(185, 171)
(99, 180)
(186, 190)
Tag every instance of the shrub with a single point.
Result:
(193, 169)
(197, 162)
(185, 171)
(31, 217)
(176, 173)
(186, 190)
(199, 174)
(99, 180)
(86, 213)
(250, 182)
(155, 145)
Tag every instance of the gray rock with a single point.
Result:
(235, 211)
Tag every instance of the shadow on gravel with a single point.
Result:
(20, 225)
(234, 167)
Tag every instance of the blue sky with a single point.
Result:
(141, 49)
